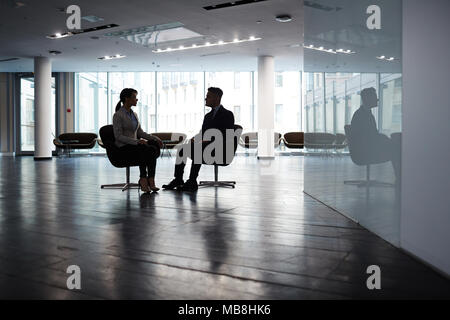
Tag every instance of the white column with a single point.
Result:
(42, 106)
(266, 85)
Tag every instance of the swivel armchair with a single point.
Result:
(112, 151)
(216, 182)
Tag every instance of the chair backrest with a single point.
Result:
(277, 139)
(294, 137)
(354, 153)
(340, 141)
(107, 135)
(108, 139)
(167, 136)
(250, 139)
(319, 140)
(340, 138)
(237, 136)
(81, 137)
(238, 129)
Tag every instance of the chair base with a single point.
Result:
(368, 183)
(123, 186)
(217, 184)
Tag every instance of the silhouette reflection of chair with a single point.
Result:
(360, 158)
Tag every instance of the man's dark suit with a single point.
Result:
(222, 120)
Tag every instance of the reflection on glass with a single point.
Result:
(27, 115)
(359, 176)
(391, 102)
(329, 104)
(353, 88)
(319, 114)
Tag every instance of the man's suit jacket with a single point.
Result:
(223, 120)
(124, 130)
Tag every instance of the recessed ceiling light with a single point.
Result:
(117, 56)
(207, 44)
(82, 31)
(59, 35)
(283, 18)
(385, 58)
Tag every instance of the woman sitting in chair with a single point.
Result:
(133, 142)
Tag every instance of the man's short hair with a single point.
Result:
(217, 91)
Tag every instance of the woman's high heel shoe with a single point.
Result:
(151, 184)
(144, 187)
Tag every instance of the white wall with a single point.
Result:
(425, 223)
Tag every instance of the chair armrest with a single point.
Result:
(58, 143)
(100, 143)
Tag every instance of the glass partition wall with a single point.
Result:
(353, 104)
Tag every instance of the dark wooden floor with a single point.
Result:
(263, 240)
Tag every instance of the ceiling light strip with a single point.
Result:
(207, 44)
(117, 56)
(386, 58)
(333, 51)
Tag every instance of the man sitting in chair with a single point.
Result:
(218, 118)
(374, 145)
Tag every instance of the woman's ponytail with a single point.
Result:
(118, 105)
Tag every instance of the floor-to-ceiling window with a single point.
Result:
(391, 101)
(27, 114)
(91, 101)
(144, 84)
(352, 92)
(342, 98)
(180, 102)
(237, 90)
(174, 101)
(287, 101)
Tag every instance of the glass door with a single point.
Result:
(26, 117)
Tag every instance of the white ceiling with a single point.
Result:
(23, 34)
